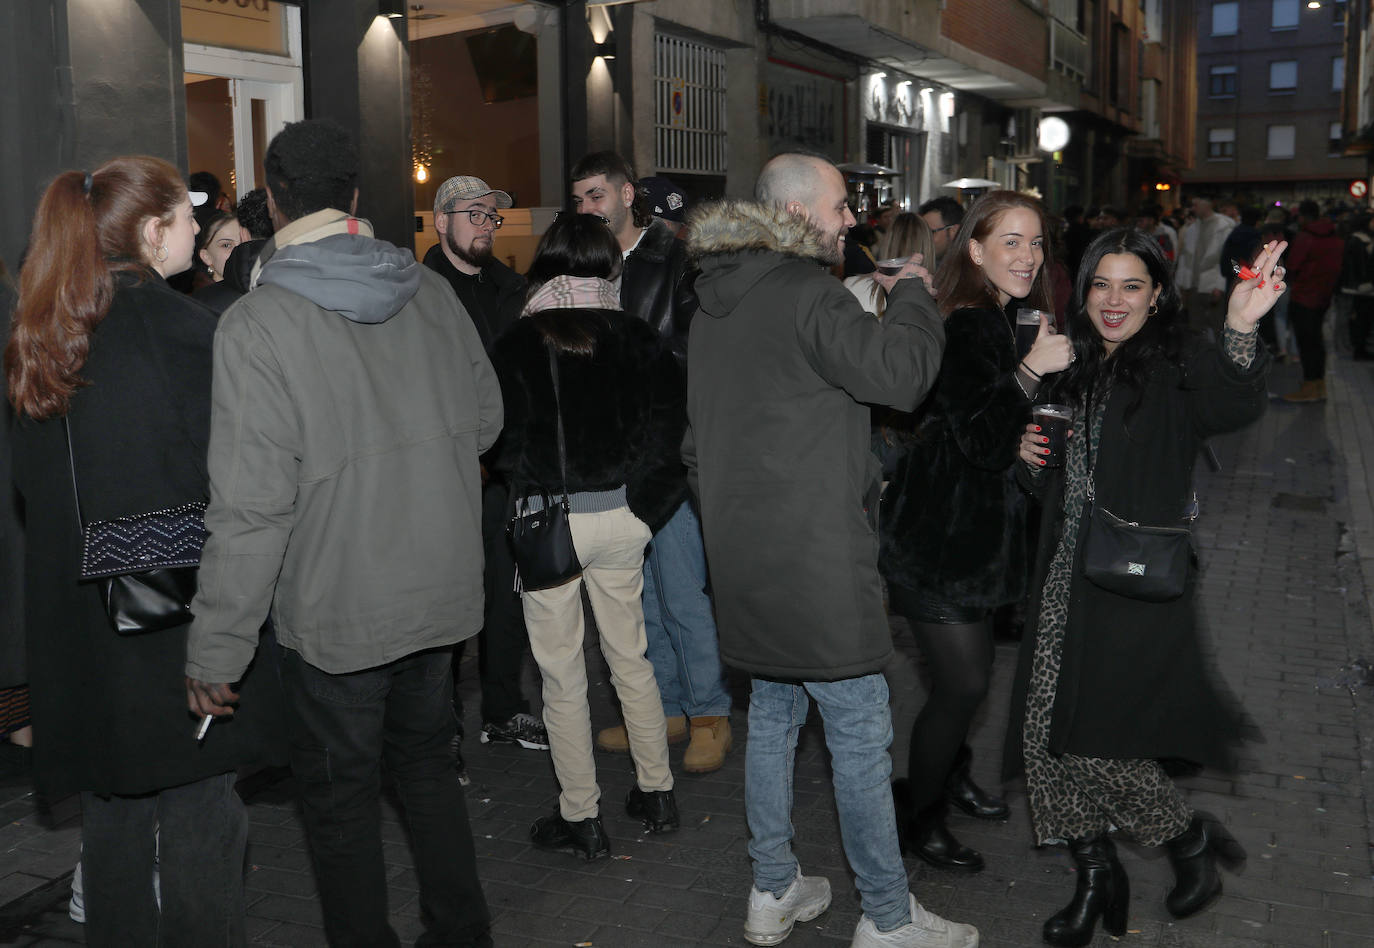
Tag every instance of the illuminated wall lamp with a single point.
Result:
(391, 9)
(606, 48)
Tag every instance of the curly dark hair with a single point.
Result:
(1161, 337)
(253, 215)
(618, 171)
(311, 166)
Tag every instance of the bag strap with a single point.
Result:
(71, 458)
(558, 416)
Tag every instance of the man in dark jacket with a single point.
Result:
(655, 286)
(467, 219)
(1314, 269)
(784, 366)
(351, 400)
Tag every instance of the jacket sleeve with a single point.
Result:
(514, 401)
(490, 407)
(655, 478)
(979, 396)
(1299, 256)
(1222, 396)
(684, 303)
(893, 362)
(254, 450)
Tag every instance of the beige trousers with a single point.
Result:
(611, 548)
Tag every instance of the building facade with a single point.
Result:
(1270, 79)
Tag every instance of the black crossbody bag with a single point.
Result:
(145, 566)
(1132, 559)
(541, 540)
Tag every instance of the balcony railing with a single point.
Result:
(1068, 50)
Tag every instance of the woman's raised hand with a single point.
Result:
(912, 268)
(1250, 300)
(1051, 352)
(1035, 445)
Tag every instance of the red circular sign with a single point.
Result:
(1358, 189)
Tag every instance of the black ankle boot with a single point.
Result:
(1102, 890)
(1194, 854)
(586, 838)
(927, 837)
(656, 809)
(967, 795)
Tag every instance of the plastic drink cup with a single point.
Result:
(1028, 329)
(1054, 424)
(892, 265)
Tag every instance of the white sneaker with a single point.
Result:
(926, 930)
(76, 908)
(770, 918)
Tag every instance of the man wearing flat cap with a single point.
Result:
(467, 217)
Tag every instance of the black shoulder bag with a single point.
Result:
(541, 540)
(1132, 559)
(146, 565)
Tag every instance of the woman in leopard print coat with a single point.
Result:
(1108, 685)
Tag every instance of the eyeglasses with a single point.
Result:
(479, 217)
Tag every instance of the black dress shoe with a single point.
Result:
(656, 809)
(925, 835)
(967, 795)
(586, 838)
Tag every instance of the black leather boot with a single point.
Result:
(656, 809)
(1194, 854)
(1102, 890)
(586, 838)
(925, 835)
(967, 795)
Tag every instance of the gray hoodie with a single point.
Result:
(351, 399)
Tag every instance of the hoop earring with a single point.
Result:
(1152, 310)
(160, 254)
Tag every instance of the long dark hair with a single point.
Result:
(86, 229)
(962, 283)
(1159, 339)
(579, 245)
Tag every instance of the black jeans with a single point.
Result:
(1307, 329)
(342, 728)
(503, 641)
(1361, 321)
(202, 834)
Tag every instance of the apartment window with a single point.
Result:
(1283, 75)
(1333, 144)
(1225, 18)
(1221, 143)
(1338, 13)
(1221, 82)
(1284, 15)
(1337, 73)
(1282, 141)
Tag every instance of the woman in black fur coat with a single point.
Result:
(953, 518)
(620, 399)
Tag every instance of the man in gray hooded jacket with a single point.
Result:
(351, 399)
(783, 365)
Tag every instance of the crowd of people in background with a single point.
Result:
(769, 426)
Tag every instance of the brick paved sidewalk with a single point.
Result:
(1288, 539)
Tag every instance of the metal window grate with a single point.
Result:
(689, 106)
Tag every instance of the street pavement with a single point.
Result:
(1287, 535)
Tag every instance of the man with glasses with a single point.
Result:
(466, 218)
(656, 286)
(944, 215)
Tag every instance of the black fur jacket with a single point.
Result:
(953, 518)
(622, 405)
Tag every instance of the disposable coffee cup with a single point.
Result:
(1054, 424)
(1028, 329)
(892, 265)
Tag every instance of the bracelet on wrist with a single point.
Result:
(1029, 371)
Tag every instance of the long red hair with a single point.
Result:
(962, 283)
(80, 239)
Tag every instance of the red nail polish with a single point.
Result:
(1037, 427)
(1042, 460)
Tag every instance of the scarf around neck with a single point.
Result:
(572, 292)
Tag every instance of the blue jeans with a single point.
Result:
(858, 731)
(678, 622)
(200, 845)
(342, 728)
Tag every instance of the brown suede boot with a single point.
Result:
(711, 739)
(1309, 391)
(617, 741)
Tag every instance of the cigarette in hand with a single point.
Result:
(204, 727)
